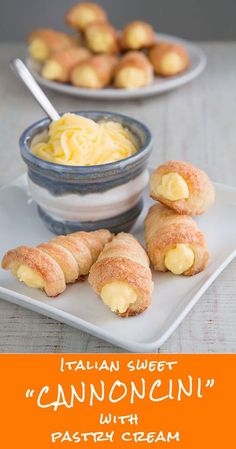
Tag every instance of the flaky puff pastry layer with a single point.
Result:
(133, 71)
(60, 261)
(164, 229)
(124, 260)
(137, 35)
(168, 59)
(101, 38)
(82, 14)
(60, 64)
(201, 192)
(45, 41)
(94, 73)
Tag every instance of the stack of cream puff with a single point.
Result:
(98, 55)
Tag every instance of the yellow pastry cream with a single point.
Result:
(38, 49)
(172, 63)
(136, 36)
(52, 70)
(173, 187)
(77, 140)
(131, 77)
(30, 277)
(179, 259)
(118, 295)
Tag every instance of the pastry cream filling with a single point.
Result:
(136, 37)
(118, 296)
(179, 259)
(30, 277)
(171, 63)
(38, 49)
(86, 77)
(100, 41)
(52, 70)
(173, 187)
(131, 77)
(84, 16)
(77, 140)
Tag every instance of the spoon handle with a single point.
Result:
(20, 69)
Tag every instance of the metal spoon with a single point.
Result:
(20, 69)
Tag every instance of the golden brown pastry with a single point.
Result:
(82, 14)
(182, 187)
(60, 64)
(133, 71)
(137, 35)
(168, 59)
(174, 242)
(94, 73)
(62, 260)
(122, 277)
(101, 38)
(45, 41)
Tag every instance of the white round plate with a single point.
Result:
(159, 85)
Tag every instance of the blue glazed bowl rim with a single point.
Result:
(88, 169)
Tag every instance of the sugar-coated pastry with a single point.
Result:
(137, 35)
(182, 187)
(174, 242)
(133, 71)
(122, 277)
(94, 73)
(62, 260)
(82, 14)
(45, 41)
(101, 38)
(60, 64)
(168, 59)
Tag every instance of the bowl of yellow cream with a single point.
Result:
(87, 170)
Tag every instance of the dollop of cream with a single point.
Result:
(86, 77)
(118, 296)
(83, 16)
(171, 64)
(136, 37)
(30, 277)
(179, 259)
(38, 50)
(100, 41)
(52, 70)
(130, 77)
(77, 140)
(173, 187)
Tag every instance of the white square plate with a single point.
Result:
(78, 306)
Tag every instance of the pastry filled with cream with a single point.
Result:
(46, 41)
(83, 14)
(94, 73)
(168, 59)
(60, 64)
(133, 71)
(101, 38)
(182, 187)
(137, 35)
(121, 276)
(174, 242)
(77, 140)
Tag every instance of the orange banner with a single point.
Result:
(117, 401)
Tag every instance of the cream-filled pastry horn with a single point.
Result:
(82, 14)
(137, 35)
(94, 73)
(121, 276)
(62, 260)
(174, 242)
(168, 59)
(101, 38)
(60, 64)
(45, 41)
(182, 187)
(133, 71)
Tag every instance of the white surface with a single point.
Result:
(159, 85)
(173, 296)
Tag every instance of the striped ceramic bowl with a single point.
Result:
(71, 198)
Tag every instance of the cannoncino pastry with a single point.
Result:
(82, 14)
(182, 187)
(168, 59)
(45, 41)
(94, 73)
(133, 71)
(62, 260)
(58, 67)
(101, 38)
(137, 35)
(174, 242)
(121, 276)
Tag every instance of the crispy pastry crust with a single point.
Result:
(148, 38)
(102, 66)
(137, 60)
(201, 190)
(73, 16)
(54, 40)
(160, 50)
(164, 229)
(67, 59)
(100, 28)
(61, 260)
(124, 259)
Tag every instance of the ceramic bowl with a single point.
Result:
(71, 198)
